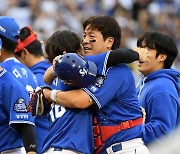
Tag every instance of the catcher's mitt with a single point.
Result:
(38, 104)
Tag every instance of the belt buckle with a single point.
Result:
(117, 147)
(57, 149)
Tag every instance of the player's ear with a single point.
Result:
(81, 51)
(24, 53)
(162, 57)
(109, 41)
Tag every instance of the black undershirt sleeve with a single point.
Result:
(28, 135)
(122, 55)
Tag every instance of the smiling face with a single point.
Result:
(94, 43)
(101, 33)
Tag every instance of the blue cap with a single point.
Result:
(9, 28)
(0, 44)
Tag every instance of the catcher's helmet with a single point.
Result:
(75, 70)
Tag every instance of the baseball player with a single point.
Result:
(117, 123)
(15, 123)
(29, 52)
(70, 129)
(9, 34)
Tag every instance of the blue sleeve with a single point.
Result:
(97, 59)
(117, 77)
(101, 62)
(163, 114)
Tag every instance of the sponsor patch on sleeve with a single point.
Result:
(100, 81)
(98, 84)
(20, 105)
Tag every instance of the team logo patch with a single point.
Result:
(98, 84)
(100, 81)
(83, 71)
(20, 105)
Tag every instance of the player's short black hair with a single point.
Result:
(162, 43)
(8, 44)
(34, 47)
(108, 27)
(61, 41)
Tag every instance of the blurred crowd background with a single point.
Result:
(134, 16)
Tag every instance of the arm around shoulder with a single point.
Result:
(122, 55)
(74, 99)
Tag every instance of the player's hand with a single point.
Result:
(55, 60)
(38, 104)
(143, 53)
(47, 94)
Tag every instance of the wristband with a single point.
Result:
(53, 95)
(53, 72)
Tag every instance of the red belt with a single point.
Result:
(102, 133)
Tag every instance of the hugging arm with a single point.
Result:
(122, 55)
(49, 75)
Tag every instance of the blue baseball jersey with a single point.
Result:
(39, 69)
(21, 72)
(70, 128)
(115, 98)
(159, 94)
(42, 124)
(13, 110)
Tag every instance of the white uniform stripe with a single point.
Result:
(105, 64)
(94, 98)
(3, 72)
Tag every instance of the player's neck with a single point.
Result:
(35, 60)
(5, 55)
